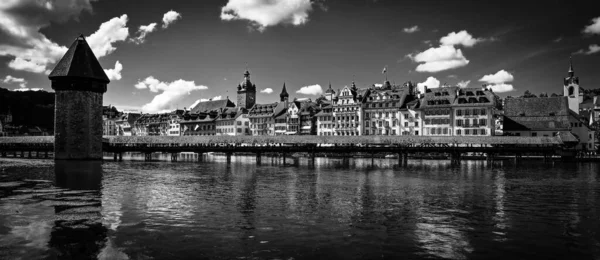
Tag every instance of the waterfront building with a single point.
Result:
(546, 116)
(262, 116)
(571, 89)
(329, 93)
(232, 122)
(381, 107)
(325, 120)
(125, 123)
(411, 121)
(308, 120)
(201, 120)
(436, 110)
(474, 110)
(109, 117)
(174, 118)
(347, 111)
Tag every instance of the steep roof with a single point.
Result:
(537, 107)
(475, 97)
(79, 62)
(439, 97)
(212, 105)
(546, 114)
(259, 110)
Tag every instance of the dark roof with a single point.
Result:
(263, 109)
(537, 107)
(546, 114)
(212, 105)
(475, 97)
(439, 97)
(79, 61)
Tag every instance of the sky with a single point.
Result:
(164, 55)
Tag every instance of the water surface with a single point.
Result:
(335, 209)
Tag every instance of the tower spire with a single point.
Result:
(284, 95)
(571, 71)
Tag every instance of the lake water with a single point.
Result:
(334, 209)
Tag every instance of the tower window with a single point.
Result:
(571, 91)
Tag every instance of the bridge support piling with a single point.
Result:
(147, 157)
(115, 157)
(22, 154)
(200, 156)
(283, 158)
(405, 159)
(4, 154)
(29, 154)
(174, 157)
(400, 159)
(228, 158)
(258, 158)
(455, 158)
(120, 157)
(46, 154)
(518, 157)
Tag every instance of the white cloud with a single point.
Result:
(438, 59)
(265, 13)
(500, 88)
(28, 89)
(411, 29)
(115, 74)
(172, 93)
(431, 82)
(110, 32)
(169, 18)
(464, 83)
(267, 91)
(20, 36)
(10, 80)
(593, 28)
(594, 48)
(208, 99)
(142, 32)
(501, 76)
(461, 38)
(311, 90)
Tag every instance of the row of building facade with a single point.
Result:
(384, 109)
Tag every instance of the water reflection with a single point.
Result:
(334, 209)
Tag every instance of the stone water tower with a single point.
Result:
(79, 82)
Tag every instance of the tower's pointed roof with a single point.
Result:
(330, 90)
(284, 92)
(571, 66)
(79, 62)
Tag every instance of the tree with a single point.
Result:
(528, 94)
(543, 94)
(554, 95)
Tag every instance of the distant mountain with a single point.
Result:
(29, 108)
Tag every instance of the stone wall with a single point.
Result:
(78, 125)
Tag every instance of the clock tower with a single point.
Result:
(246, 93)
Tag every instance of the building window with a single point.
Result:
(475, 112)
(445, 131)
(458, 132)
(459, 112)
(533, 134)
(467, 112)
(416, 132)
(467, 131)
(416, 123)
(459, 122)
(405, 124)
(483, 131)
(483, 112)
(482, 122)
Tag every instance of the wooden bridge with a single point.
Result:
(312, 145)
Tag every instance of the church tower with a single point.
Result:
(284, 96)
(571, 89)
(79, 83)
(246, 93)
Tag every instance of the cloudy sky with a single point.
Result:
(162, 55)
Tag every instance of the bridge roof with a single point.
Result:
(475, 140)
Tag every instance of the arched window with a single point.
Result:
(571, 91)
